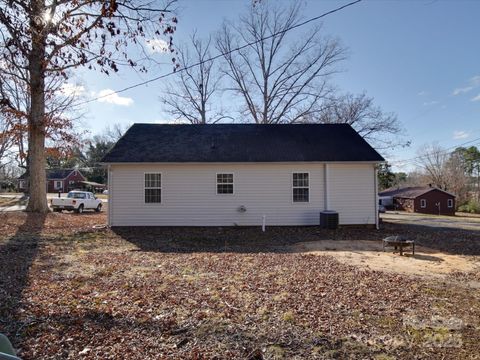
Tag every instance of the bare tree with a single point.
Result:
(193, 95)
(457, 179)
(278, 82)
(42, 39)
(61, 115)
(6, 140)
(382, 129)
(433, 159)
(444, 170)
(113, 133)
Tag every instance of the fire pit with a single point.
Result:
(399, 242)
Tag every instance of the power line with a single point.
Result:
(446, 151)
(222, 54)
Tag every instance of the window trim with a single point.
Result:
(56, 182)
(161, 188)
(300, 187)
(233, 182)
(423, 203)
(450, 203)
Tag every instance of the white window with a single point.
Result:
(423, 203)
(224, 184)
(301, 187)
(153, 188)
(57, 185)
(71, 182)
(450, 203)
(21, 184)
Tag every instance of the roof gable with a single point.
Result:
(241, 143)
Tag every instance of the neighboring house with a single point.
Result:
(62, 180)
(421, 199)
(235, 174)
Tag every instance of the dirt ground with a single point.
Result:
(369, 254)
(70, 288)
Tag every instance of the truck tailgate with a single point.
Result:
(62, 202)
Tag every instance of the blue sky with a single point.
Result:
(419, 59)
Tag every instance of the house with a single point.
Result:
(421, 199)
(62, 180)
(237, 174)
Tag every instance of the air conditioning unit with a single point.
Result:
(328, 219)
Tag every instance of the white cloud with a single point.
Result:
(475, 80)
(429, 103)
(463, 90)
(156, 45)
(68, 89)
(476, 98)
(457, 135)
(109, 96)
(422, 93)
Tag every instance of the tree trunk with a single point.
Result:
(36, 119)
(37, 185)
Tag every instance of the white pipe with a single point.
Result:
(375, 181)
(326, 174)
(264, 219)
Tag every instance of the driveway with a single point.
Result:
(17, 205)
(14, 203)
(434, 221)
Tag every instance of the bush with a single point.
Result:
(472, 206)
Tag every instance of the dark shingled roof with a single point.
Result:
(241, 143)
(54, 173)
(411, 192)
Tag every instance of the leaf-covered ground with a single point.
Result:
(71, 290)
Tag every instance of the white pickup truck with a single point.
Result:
(78, 201)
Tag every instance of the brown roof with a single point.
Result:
(411, 192)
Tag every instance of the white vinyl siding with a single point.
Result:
(352, 193)
(189, 195)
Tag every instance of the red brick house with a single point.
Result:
(420, 199)
(62, 180)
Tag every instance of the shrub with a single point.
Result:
(472, 206)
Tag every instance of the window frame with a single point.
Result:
(300, 187)
(423, 203)
(450, 203)
(56, 182)
(145, 188)
(217, 183)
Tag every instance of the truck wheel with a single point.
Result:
(80, 209)
(57, 210)
(99, 208)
